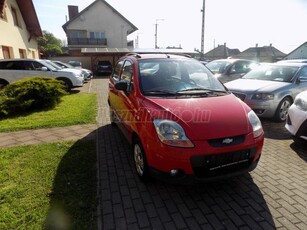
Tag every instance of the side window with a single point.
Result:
(37, 65)
(117, 70)
(304, 72)
(127, 74)
(28, 65)
(15, 65)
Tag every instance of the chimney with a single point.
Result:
(73, 11)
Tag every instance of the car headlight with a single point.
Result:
(301, 103)
(255, 123)
(171, 133)
(263, 96)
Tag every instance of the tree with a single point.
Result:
(49, 45)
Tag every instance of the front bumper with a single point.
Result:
(205, 161)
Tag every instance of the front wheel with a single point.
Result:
(283, 109)
(140, 161)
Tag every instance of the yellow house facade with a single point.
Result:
(19, 29)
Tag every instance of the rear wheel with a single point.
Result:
(140, 161)
(3, 84)
(112, 116)
(282, 109)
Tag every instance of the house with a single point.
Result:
(261, 54)
(220, 52)
(100, 29)
(19, 28)
(299, 53)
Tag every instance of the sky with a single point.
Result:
(240, 24)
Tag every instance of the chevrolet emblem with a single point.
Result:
(227, 141)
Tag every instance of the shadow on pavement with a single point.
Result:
(74, 192)
(128, 203)
(275, 130)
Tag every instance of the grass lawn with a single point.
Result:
(74, 109)
(48, 186)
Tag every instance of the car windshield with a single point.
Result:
(65, 65)
(48, 65)
(272, 73)
(162, 76)
(218, 66)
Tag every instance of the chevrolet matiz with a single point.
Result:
(182, 123)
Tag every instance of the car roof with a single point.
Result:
(157, 56)
(233, 60)
(295, 64)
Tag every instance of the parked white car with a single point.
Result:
(88, 74)
(297, 118)
(16, 69)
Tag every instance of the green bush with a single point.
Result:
(30, 94)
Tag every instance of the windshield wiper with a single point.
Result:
(203, 90)
(161, 92)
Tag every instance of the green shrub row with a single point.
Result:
(30, 94)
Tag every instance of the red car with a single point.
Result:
(183, 124)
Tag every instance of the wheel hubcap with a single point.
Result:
(284, 110)
(139, 160)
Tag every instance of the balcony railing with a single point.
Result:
(87, 41)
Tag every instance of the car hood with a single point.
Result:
(205, 117)
(75, 71)
(250, 85)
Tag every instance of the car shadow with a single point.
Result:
(300, 149)
(275, 130)
(73, 197)
(222, 204)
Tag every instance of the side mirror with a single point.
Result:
(121, 85)
(44, 68)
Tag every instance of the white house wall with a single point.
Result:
(100, 18)
(15, 37)
(299, 53)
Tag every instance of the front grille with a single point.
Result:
(219, 164)
(224, 142)
(240, 95)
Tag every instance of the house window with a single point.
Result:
(6, 52)
(33, 54)
(97, 35)
(15, 17)
(22, 53)
(74, 34)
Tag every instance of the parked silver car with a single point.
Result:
(270, 89)
(230, 69)
(88, 74)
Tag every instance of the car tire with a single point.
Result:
(3, 84)
(140, 160)
(282, 109)
(66, 84)
(112, 116)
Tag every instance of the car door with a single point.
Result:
(127, 106)
(35, 69)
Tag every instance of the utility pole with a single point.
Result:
(156, 32)
(203, 28)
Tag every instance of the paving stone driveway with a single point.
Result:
(273, 196)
